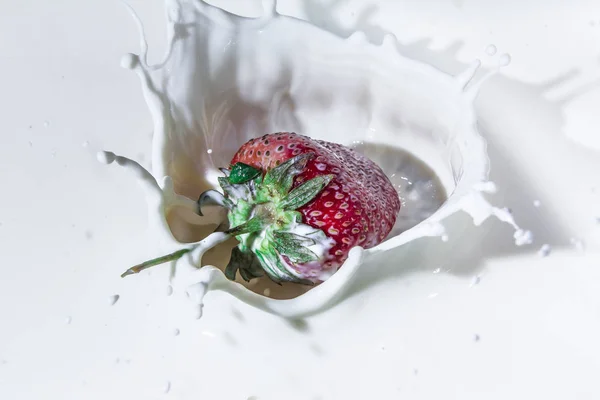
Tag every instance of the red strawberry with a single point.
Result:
(351, 203)
(298, 205)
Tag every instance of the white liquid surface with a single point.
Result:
(519, 303)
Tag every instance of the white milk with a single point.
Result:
(226, 79)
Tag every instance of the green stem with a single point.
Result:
(156, 261)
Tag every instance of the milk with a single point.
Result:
(225, 79)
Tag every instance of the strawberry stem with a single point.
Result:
(200, 248)
(155, 261)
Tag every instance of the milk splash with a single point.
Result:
(226, 79)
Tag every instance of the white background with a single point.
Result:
(69, 226)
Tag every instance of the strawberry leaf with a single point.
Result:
(227, 187)
(246, 263)
(276, 270)
(288, 239)
(294, 246)
(282, 176)
(234, 192)
(297, 254)
(252, 225)
(273, 269)
(242, 173)
(305, 192)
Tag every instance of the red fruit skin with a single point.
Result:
(357, 208)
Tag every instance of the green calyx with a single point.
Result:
(262, 216)
(242, 173)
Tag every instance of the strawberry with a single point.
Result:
(298, 205)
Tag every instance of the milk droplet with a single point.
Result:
(491, 50)
(476, 280)
(537, 203)
(68, 320)
(545, 250)
(112, 300)
(437, 270)
(85, 144)
(523, 237)
(46, 124)
(106, 157)
(129, 61)
(167, 387)
(445, 238)
(30, 143)
(170, 291)
(267, 292)
(176, 332)
(578, 244)
(504, 60)
(89, 235)
(476, 338)
(209, 151)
